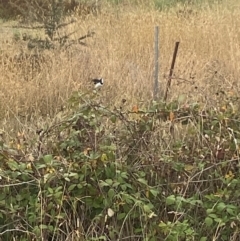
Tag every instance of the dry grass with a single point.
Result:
(122, 53)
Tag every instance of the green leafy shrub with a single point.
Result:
(106, 174)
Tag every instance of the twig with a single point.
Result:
(17, 184)
(14, 230)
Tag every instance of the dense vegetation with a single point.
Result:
(78, 164)
(108, 174)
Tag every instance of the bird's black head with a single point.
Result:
(98, 81)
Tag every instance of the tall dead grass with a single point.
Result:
(122, 53)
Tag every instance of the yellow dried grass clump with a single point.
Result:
(122, 52)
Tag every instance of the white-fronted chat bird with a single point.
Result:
(98, 83)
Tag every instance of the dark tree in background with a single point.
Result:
(37, 10)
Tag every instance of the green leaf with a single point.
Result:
(124, 175)
(124, 187)
(154, 192)
(50, 190)
(109, 181)
(116, 184)
(203, 239)
(195, 202)
(153, 239)
(129, 201)
(170, 200)
(209, 211)
(50, 228)
(106, 203)
(230, 211)
(73, 174)
(2, 196)
(208, 221)
(218, 220)
(13, 165)
(71, 187)
(111, 193)
(19, 198)
(103, 184)
(58, 189)
(138, 230)
(41, 166)
(43, 226)
(48, 158)
(50, 205)
(143, 181)
(162, 225)
(67, 179)
(212, 215)
(221, 206)
(147, 208)
(121, 216)
(37, 230)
